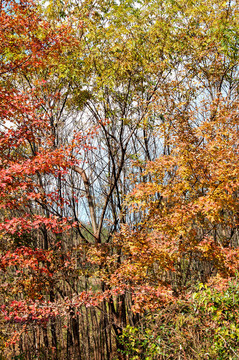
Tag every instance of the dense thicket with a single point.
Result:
(119, 179)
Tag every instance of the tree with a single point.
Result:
(188, 203)
(118, 164)
(30, 160)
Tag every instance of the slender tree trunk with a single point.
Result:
(53, 329)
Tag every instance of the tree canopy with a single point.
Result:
(119, 179)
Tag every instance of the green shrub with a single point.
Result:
(204, 325)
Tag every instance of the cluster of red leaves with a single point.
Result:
(29, 45)
(27, 38)
(24, 257)
(22, 225)
(28, 311)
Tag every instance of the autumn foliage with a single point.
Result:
(119, 174)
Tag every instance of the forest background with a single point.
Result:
(119, 179)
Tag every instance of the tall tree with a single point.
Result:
(98, 99)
